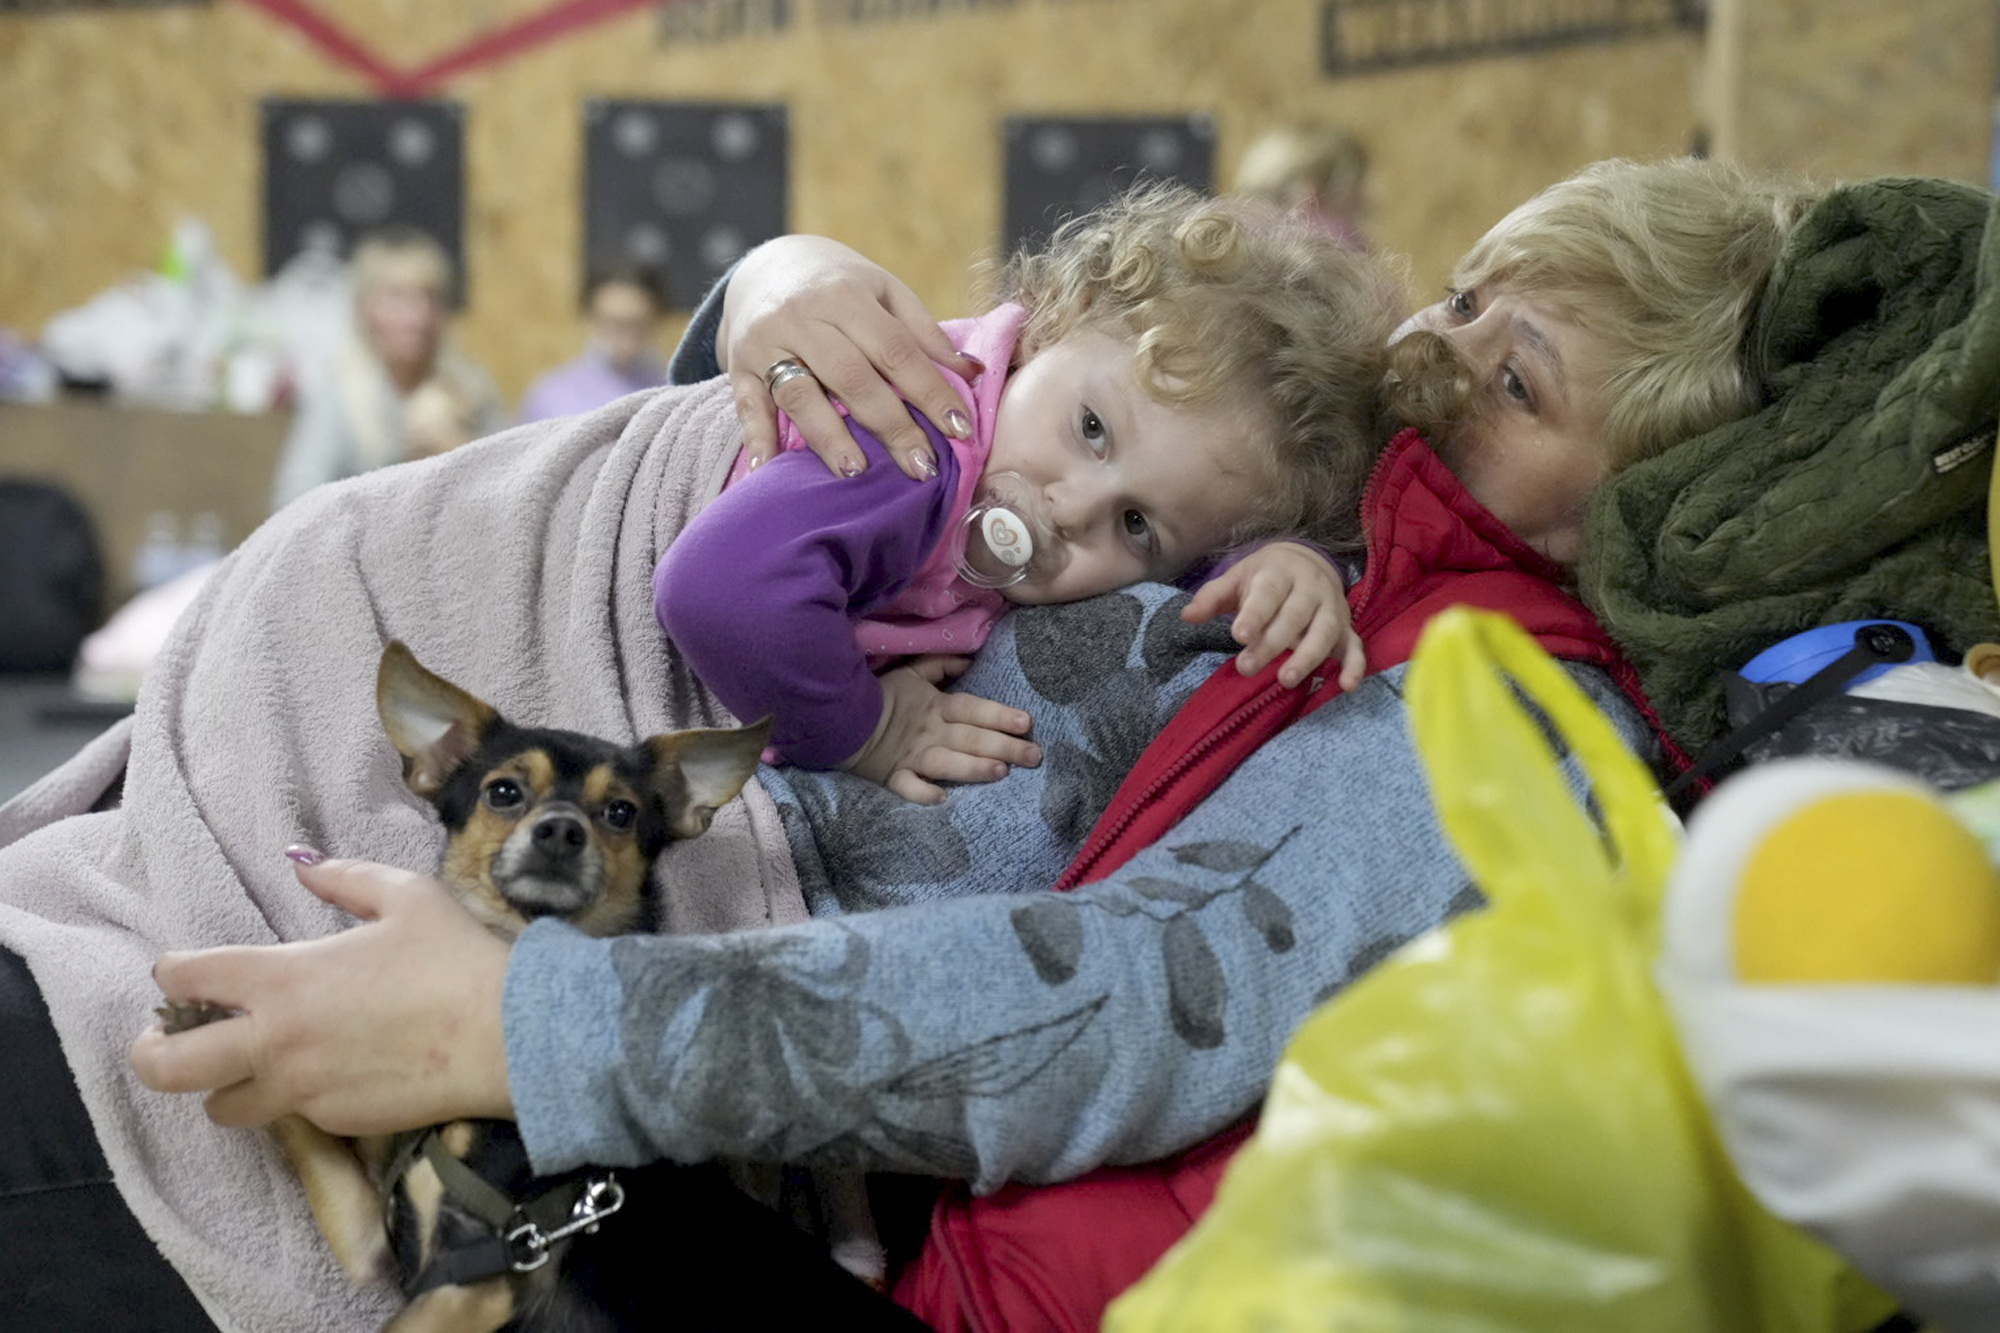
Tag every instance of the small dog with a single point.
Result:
(539, 823)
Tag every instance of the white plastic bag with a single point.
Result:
(1866, 1112)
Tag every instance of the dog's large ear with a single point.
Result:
(434, 724)
(714, 764)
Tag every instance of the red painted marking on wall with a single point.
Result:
(485, 49)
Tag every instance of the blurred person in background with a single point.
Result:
(396, 388)
(1319, 171)
(624, 303)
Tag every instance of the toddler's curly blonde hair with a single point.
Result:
(1225, 300)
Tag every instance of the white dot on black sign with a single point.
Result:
(308, 138)
(363, 192)
(411, 142)
(734, 137)
(320, 236)
(635, 134)
(721, 247)
(684, 185)
(1054, 150)
(1160, 150)
(649, 244)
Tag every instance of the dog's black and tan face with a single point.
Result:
(543, 822)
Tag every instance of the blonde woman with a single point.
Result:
(395, 389)
(1317, 170)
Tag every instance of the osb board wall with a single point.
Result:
(114, 124)
(1852, 88)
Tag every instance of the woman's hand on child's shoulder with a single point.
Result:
(926, 736)
(1284, 595)
(864, 337)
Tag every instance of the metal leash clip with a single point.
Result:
(528, 1245)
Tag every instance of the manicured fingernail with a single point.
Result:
(926, 465)
(978, 366)
(957, 425)
(850, 467)
(305, 856)
(751, 466)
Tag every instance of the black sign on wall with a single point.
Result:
(686, 187)
(724, 20)
(1057, 168)
(335, 170)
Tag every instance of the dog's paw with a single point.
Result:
(177, 1017)
(864, 1257)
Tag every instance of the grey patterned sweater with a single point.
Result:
(977, 1026)
(941, 1014)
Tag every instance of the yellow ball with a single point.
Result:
(1869, 886)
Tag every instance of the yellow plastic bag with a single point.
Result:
(1492, 1132)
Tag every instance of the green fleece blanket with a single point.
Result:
(1858, 490)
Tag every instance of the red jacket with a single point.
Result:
(1054, 1256)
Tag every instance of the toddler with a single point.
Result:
(1172, 379)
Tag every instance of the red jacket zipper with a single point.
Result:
(1107, 834)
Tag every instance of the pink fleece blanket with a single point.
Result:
(519, 567)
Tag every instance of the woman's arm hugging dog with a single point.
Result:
(538, 822)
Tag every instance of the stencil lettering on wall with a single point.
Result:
(335, 170)
(890, 11)
(1057, 168)
(724, 20)
(685, 187)
(1360, 35)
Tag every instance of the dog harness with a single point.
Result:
(522, 1225)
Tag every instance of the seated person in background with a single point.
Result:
(624, 304)
(396, 389)
(1318, 171)
(1170, 378)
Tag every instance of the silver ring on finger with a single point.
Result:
(784, 372)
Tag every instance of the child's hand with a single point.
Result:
(927, 736)
(1283, 595)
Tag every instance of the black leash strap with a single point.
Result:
(522, 1231)
(1874, 645)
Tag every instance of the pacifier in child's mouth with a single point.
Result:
(1004, 537)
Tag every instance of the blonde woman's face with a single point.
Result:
(1538, 452)
(403, 317)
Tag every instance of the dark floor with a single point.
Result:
(42, 723)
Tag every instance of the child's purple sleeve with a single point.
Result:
(760, 592)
